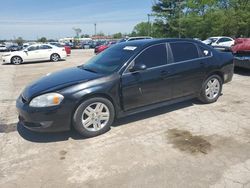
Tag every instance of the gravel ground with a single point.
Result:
(183, 145)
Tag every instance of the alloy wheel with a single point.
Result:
(213, 88)
(95, 116)
(16, 60)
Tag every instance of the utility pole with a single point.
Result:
(149, 25)
(95, 28)
(179, 22)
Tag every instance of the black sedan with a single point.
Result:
(125, 79)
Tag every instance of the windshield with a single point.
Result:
(110, 60)
(213, 39)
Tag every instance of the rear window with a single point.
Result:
(183, 51)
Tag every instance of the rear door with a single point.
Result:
(148, 86)
(187, 67)
(45, 51)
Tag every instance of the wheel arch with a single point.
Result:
(16, 56)
(217, 72)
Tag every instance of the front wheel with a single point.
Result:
(211, 89)
(94, 117)
(16, 60)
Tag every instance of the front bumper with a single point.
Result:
(6, 59)
(243, 62)
(49, 119)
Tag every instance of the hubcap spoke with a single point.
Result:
(212, 88)
(87, 122)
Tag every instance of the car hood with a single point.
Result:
(58, 80)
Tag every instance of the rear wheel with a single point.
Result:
(16, 60)
(94, 117)
(54, 57)
(211, 89)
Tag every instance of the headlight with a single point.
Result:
(46, 100)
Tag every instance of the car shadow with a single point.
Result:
(241, 71)
(47, 137)
(32, 62)
(63, 136)
(155, 112)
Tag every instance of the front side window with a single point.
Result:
(183, 51)
(153, 56)
(33, 48)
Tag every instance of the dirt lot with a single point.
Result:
(184, 145)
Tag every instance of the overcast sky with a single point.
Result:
(31, 19)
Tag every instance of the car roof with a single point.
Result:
(157, 41)
(140, 44)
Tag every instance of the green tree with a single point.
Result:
(85, 36)
(19, 41)
(142, 29)
(201, 18)
(42, 39)
(117, 35)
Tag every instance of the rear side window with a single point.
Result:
(183, 51)
(225, 40)
(205, 52)
(153, 56)
(44, 47)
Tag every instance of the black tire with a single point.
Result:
(203, 97)
(78, 115)
(55, 57)
(16, 60)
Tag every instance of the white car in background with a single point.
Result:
(219, 41)
(3, 48)
(33, 53)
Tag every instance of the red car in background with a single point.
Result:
(103, 47)
(241, 50)
(241, 45)
(67, 48)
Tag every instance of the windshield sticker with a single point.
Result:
(131, 48)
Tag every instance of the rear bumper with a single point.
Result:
(51, 119)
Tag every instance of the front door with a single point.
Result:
(32, 53)
(148, 86)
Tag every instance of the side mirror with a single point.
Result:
(25, 50)
(138, 67)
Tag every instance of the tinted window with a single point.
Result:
(32, 48)
(183, 51)
(44, 47)
(224, 40)
(205, 52)
(153, 56)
